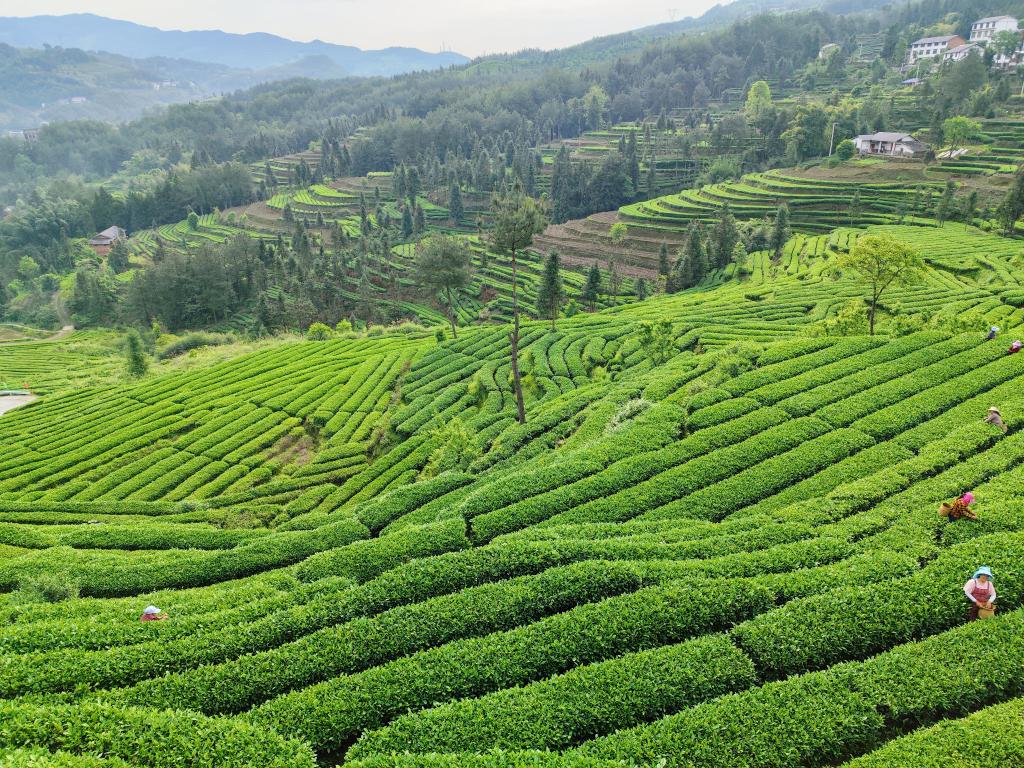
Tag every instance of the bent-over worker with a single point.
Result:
(995, 417)
(152, 613)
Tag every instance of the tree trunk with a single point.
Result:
(871, 317)
(517, 383)
(451, 314)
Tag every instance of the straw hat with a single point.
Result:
(993, 409)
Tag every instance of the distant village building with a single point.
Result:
(932, 47)
(961, 52)
(78, 99)
(889, 144)
(983, 30)
(104, 241)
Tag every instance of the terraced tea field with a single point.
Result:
(732, 558)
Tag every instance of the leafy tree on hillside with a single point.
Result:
(740, 258)
(1012, 206)
(1006, 42)
(855, 207)
(118, 258)
(592, 288)
(551, 292)
(442, 266)
(517, 218)
(956, 131)
(780, 232)
(879, 261)
(618, 232)
(759, 101)
(845, 149)
(137, 363)
(657, 340)
(945, 206)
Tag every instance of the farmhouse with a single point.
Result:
(889, 144)
(104, 241)
(961, 52)
(983, 30)
(930, 47)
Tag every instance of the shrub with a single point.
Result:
(53, 587)
(193, 341)
(319, 332)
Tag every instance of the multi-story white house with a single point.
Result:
(983, 30)
(932, 47)
(961, 52)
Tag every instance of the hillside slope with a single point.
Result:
(365, 558)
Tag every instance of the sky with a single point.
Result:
(471, 27)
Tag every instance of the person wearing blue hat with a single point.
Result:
(981, 592)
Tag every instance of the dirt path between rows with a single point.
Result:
(10, 402)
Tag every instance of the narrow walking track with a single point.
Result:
(10, 402)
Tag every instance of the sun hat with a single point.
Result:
(993, 408)
(967, 498)
(994, 328)
(983, 571)
(150, 610)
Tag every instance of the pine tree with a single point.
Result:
(455, 203)
(696, 256)
(551, 292)
(780, 232)
(407, 223)
(592, 288)
(642, 289)
(724, 237)
(663, 264)
(420, 220)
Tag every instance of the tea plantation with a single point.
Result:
(729, 558)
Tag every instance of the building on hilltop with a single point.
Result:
(961, 52)
(102, 242)
(931, 47)
(890, 144)
(983, 30)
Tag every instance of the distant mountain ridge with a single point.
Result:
(254, 51)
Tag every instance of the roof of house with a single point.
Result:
(994, 18)
(962, 49)
(887, 136)
(110, 233)
(939, 39)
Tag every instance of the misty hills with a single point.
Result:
(257, 51)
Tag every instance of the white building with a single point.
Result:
(889, 144)
(932, 47)
(961, 52)
(983, 30)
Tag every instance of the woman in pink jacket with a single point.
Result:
(980, 591)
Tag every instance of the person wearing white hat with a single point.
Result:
(992, 332)
(152, 613)
(981, 593)
(996, 418)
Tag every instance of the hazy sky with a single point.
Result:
(471, 27)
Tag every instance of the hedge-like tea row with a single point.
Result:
(362, 643)
(584, 703)
(111, 574)
(147, 738)
(41, 758)
(332, 713)
(823, 717)
(856, 622)
(496, 759)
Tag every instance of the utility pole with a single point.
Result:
(832, 141)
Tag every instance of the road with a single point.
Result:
(10, 402)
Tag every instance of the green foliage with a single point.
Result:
(845, 149)
(136, 359)
(319, 332)
(52, 587)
